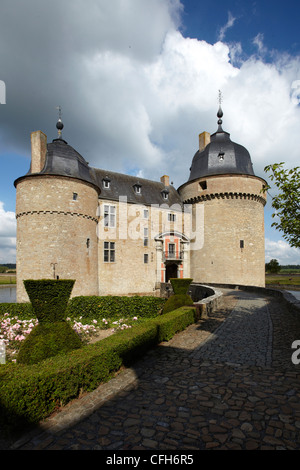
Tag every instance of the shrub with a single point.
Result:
(53, 335)
(114, 307)
(48, 340)
(180, 286)
(49, 298)
(177, 301)
(22, 310)
(29, 393)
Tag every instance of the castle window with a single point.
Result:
(203, 185)
(146, 214)
(109, 216)
(106, 182)
(146, 258)
(171, 217)
(109, 252)
(137, 188)
(145, 236)
(75, 196)
(87, 242)
(241, 244)
(165, 194)
(221, 156)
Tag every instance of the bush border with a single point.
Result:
(29, 394)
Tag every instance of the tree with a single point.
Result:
(273, 266)
(287, 202)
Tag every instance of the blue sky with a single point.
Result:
(138, 80)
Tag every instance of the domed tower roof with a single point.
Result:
(221, 156)
(63, 160)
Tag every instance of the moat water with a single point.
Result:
(7, 294)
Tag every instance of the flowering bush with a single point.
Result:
(13, 330)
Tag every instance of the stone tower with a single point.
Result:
(225, 193)
(56, 211)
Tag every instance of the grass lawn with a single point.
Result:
(283, 279)
(7, 279)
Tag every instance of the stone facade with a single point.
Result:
(120, 235)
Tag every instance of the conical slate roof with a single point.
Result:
(221, 156)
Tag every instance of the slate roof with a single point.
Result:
(151, 192)
(64, 160)
(221, 156)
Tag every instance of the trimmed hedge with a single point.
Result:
(29, 394)
(181, 286)
(53, 335)
(177, 301)
(97, 307)
(49, 298)
(23, 310)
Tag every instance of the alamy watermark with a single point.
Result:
(296, 354)
(2, 92)
(122, 221)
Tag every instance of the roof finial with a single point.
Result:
(59, 124)
(220, 112)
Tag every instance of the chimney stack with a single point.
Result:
(165, 180)
(38, 151)
(204, 140)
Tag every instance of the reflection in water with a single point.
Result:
(7, 294)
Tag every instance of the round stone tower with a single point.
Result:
(56, 207)
(228, 211)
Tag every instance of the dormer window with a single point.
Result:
(106, 182)
(137, 188)
(165, 194)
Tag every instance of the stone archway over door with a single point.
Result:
(171, 271)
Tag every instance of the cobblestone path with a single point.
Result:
(227, 382)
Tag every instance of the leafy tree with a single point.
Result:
(287, 202)
(273, 266)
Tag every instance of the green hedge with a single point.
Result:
(94, 307)
(23, 310)
(30, 393)
(177, 301)
(49, 298)
(181, 286)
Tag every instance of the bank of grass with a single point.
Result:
(282, 279)
(6, 279)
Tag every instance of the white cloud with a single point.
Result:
(281, 251)
(230, 22)
(7, 236)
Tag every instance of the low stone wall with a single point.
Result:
(290, 300)
(211, 300)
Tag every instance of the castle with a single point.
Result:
(117, 234)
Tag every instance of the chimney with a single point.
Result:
(38, 151)
(165, 180)
(204, 140)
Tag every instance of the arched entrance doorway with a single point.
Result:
(171, 271)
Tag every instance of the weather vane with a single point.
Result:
(220, 97)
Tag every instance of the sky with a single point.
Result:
(138, 81)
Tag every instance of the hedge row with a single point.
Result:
(94, 307)
(29, 394)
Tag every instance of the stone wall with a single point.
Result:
(54, 226)
(232, 249)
